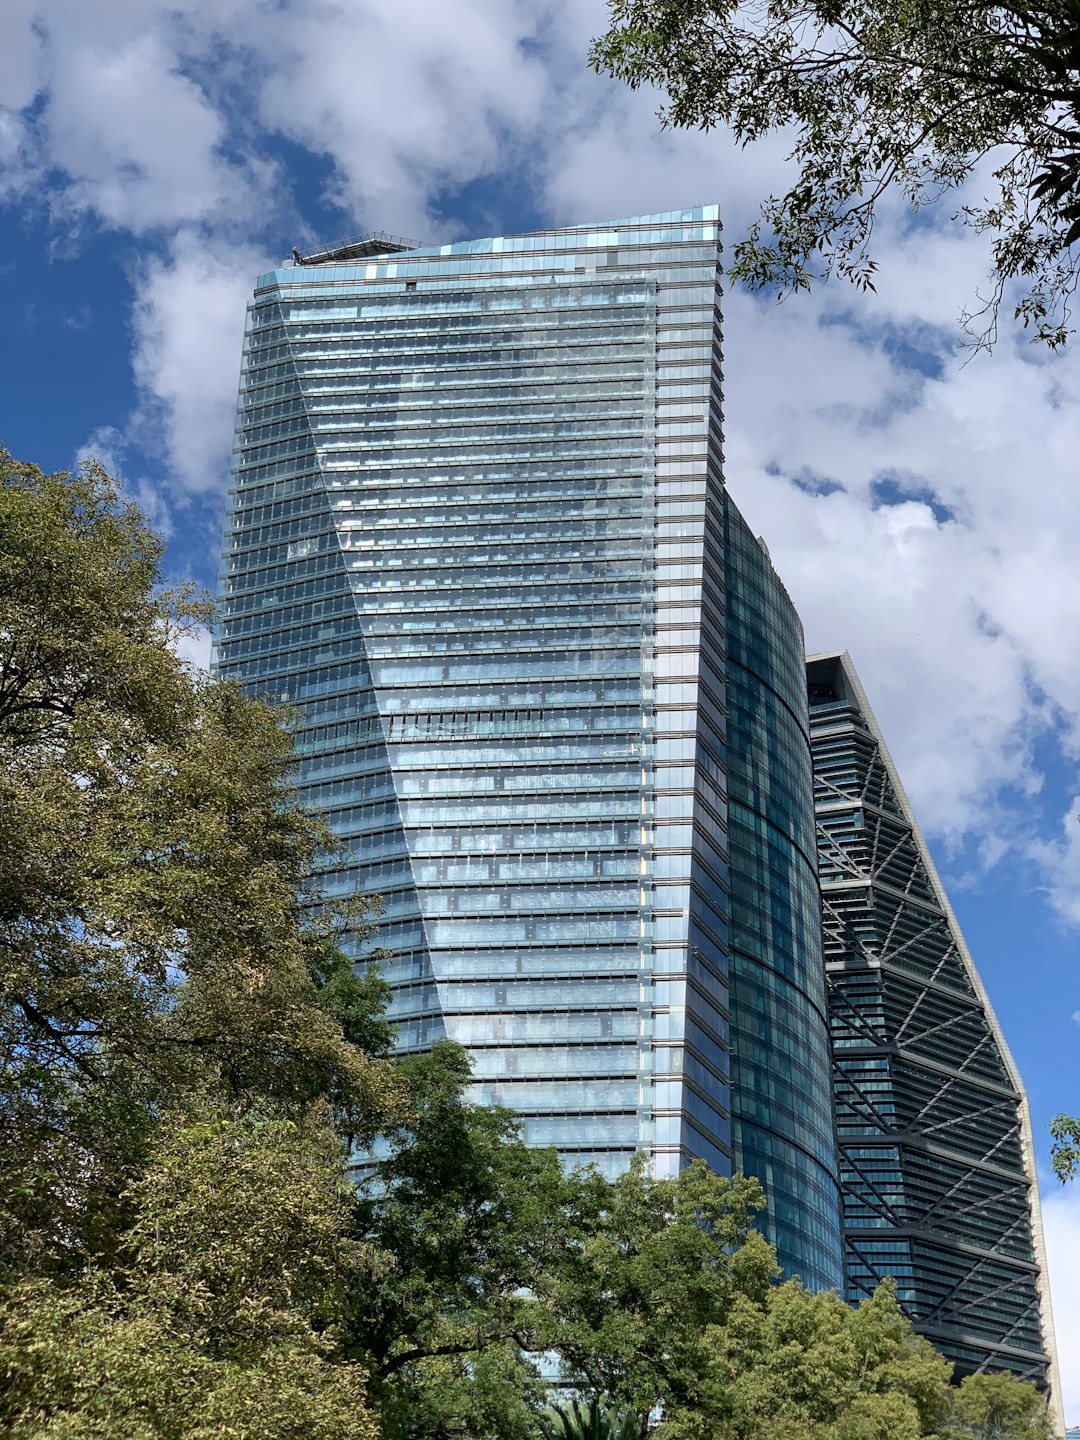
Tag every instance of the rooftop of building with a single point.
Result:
(380, 243)
(360, 247)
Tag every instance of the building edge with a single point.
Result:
(1027, 1141)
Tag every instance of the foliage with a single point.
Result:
(489, 1256)
(218, 1320)
(152, 870)
(465, 1221)
(810, 1364)
(800, 1366)
(995, 1407)
(177, 1044)
(587, 1422)
(650, 1266)
(915, 97)
(1065, 1152)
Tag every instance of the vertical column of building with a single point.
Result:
(781, 1096)
(688, 800)
(936, 1167)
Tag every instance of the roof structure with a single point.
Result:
(361, 247)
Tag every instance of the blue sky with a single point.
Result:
(924, 512)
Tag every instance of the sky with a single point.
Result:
(920, 503)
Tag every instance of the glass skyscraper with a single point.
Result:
(936, 1156)
(546, 687)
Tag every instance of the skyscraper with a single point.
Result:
(478, 539)
(936, 1157)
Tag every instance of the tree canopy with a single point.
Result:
(175, 1076)
(877, 96)
(1065, 1151)
(152, 874)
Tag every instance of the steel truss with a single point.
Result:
(935, 1172)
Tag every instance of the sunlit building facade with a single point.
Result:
(478, 540)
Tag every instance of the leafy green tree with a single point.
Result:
(594, 1421)
(650, 1265)
(1065, 1152)
(465, 1221)
(489, 1257)
(811, 1364)
(996, 1407)
(879, 97)
(218, 1319)
(800, 1366)
(174, 1035)
(152, 877)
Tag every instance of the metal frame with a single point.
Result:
(361, 247)
(936, 1156)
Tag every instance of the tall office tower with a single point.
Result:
(476, 539)
(936, 1160)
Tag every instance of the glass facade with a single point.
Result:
(476, 540)
(781, 1097)
(465, 536)
(936, 1161)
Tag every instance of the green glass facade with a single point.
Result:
(476, 539)
(936, 1163)
(781, 1097)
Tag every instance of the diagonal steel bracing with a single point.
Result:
(935, 1164)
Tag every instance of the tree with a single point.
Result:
(492, 1266)
(181, 1050)
(218, 1318)
(792, 1365)
(587, 1422)
(914, 98)
(1065, 1152)
(465, 1221)
(995, 1407)
(153, 869)
(650, 1267)
(811, 1365)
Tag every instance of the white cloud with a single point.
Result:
(1058, 859)
(945, 614)
(404, 99)
(193, 647)
(123, 133)
(188, 325)
(1061, 1221)
(21, 65)
(609, 157)
(138, 140)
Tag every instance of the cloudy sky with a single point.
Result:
(924, 511)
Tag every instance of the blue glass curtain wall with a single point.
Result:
(781, 1099)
